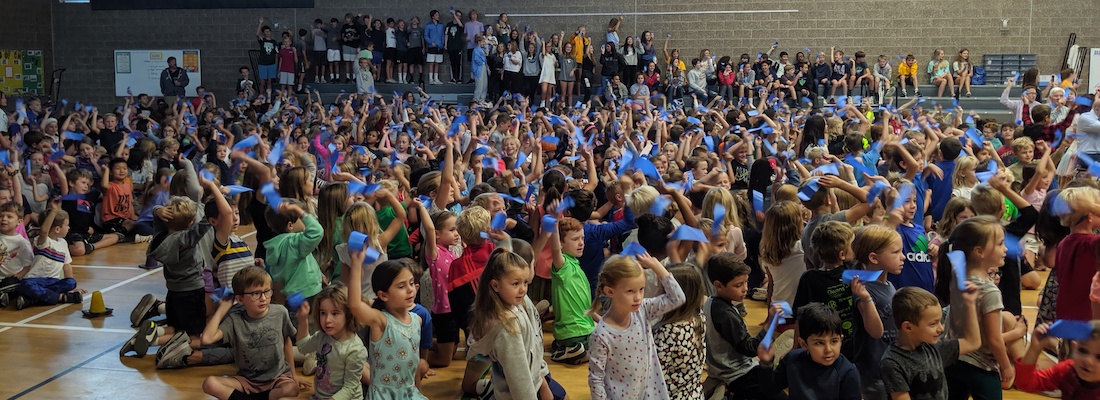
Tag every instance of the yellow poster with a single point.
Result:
(22, 72)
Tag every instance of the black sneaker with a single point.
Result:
(8, 284)
(73, 298)
(174, 353)
(20, 302)
(572, 355)
(3, 300)
(146, 336)
(144, 306)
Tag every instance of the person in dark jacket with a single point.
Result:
(611, 62)
(173, 81)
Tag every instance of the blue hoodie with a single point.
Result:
(433, 35)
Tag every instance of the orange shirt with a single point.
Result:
(118, 201)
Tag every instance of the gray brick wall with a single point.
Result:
(85, 39)
(27, 26)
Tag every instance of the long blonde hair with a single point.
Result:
(615, 269)
(361, 217)
(721, 195)
(782, 228)
(958, 179)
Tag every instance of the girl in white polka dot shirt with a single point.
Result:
(623, 360)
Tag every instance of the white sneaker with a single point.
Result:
(309, 366)
(144, 238)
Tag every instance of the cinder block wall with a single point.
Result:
(84, 40)
(27, 26)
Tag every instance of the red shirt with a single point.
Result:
(286, 59)
(1076, 263)
(468, 267)
(1059, 377)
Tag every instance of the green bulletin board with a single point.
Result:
(21, 72)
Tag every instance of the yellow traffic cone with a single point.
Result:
(98, 308)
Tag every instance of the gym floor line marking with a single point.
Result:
(244, 236)
(66, 328)
(60, 307)
(65, 372)
(104, 267)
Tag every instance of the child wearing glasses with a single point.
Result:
(259, 334)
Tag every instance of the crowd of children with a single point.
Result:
(891, 243)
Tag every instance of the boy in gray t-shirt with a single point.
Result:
(259, 333)
(915, 364)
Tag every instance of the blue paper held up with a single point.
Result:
(551, 140)
(1094, 167)
(809, 189)
(549, 223)
(660, 205)
(500, 221)
(1083, 101)
(757, 201)
(566, 203)
(246, 143)
(633, 249)
(904, 192)
(984, 176)
(206, 174)
(356, 241)
(876, 189)
(222, 293)
(847, 276)
(690, 234)
(1012, 246)
(1068, 329)
(272, 195)
(237, 189)
(69, 135)
(719, 218)
(770, 334)
(828, 169)
(958, 265)
(295, 300)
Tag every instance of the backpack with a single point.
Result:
(979, 76)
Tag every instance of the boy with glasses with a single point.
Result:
(257, 331)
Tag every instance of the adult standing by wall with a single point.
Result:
(473, 27)
(266, 63)
(173, 82)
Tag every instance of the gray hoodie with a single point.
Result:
(520, 354)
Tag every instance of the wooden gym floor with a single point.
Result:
(53, 352)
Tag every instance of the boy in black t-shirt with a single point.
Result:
(914, 366)
(266, 62)
(349, 36)
(832, 241)
(80, 204)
